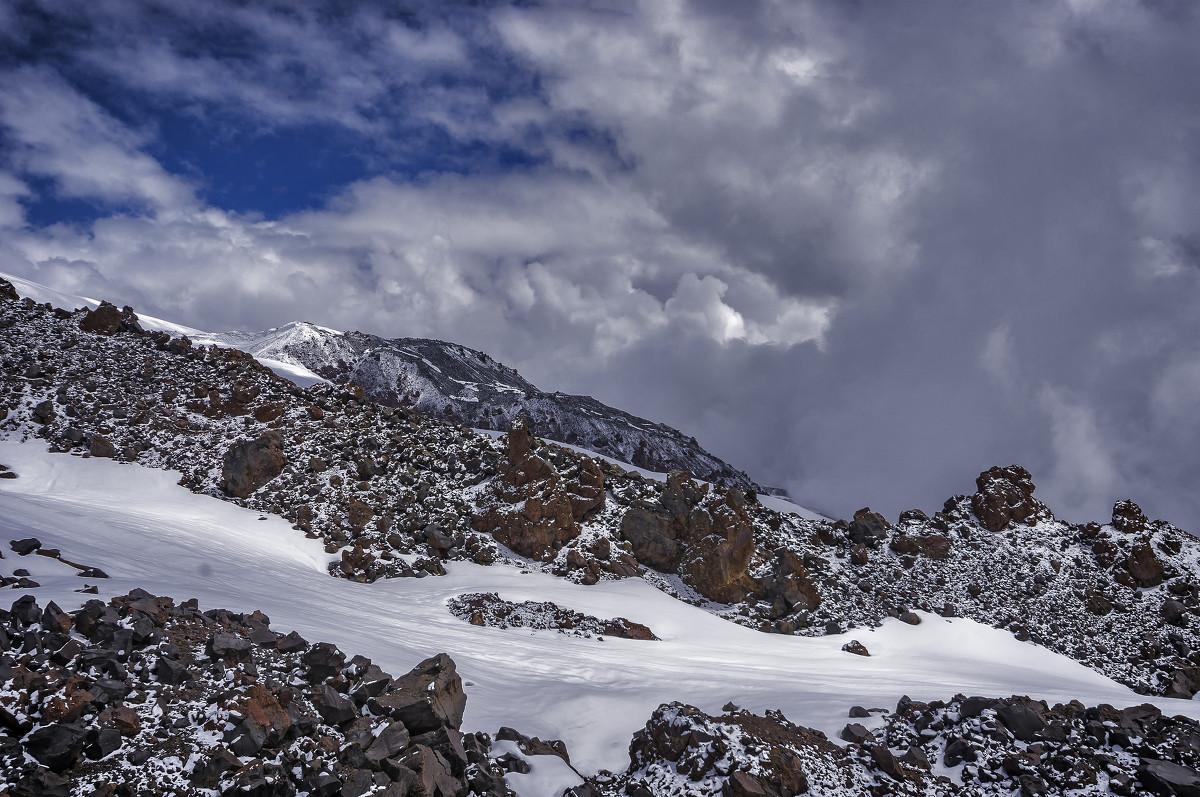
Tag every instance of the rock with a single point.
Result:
(25, 610)
(957, 751)
(250, 464)
(741, 784)
(858, 649)
(226, 645)
(360, 513)
(1146, 569)
(886, 762)
(933, 546)
(7, 292)
(1168, 778)
(1127, 517)
(911, 618)
(858, 712)
(868, 528)
(1005, 495)
(333, 707)
(433, 776)
(390, 741)
(104, 320)
(1021, 718)
(1174, 612)
(43, 412)
(427, 698)
(856, 733)
(265, 716)
(101, 446)
(102, 742)
(323, 660)
(653, 538)
(56, 746)
(55, 619)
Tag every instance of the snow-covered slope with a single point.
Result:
(144, 531)
(455, 383)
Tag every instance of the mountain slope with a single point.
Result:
(458, 384)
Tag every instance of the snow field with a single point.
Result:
(144, 531)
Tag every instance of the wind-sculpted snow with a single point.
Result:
(461, 385)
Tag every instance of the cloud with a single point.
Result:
(56, 132)
(865, 251)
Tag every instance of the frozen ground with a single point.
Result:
(145, 531)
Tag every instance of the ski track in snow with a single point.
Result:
(145, 531)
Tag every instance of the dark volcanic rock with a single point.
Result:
(427, 698)
(250, 464)
(1005, 495)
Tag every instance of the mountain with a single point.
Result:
(1022, 653)
(461, 385)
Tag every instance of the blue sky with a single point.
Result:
(864, 251)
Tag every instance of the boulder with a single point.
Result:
(427, 698)
(1146, 569)
(1169, 778)
(56, 746)
(868, 528)
(101, 446)
(1005, 495)
(1127, 517)
(108, 320)
(1022, 717)
(333, 707)
(250, 464)
(858, 649)
(857, 733)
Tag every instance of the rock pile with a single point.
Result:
(967, 746)
(143, 696)
(489, 609)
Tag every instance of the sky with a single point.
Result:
(862, 250)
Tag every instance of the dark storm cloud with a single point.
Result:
(864, 250)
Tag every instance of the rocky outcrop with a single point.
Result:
(535, 509)
(250, 464)
(1127, 517)
(704, 536)
(108, 320)
(1005, 495)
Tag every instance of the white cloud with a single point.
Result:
(61, 134)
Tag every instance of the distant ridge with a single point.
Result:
(460, 384)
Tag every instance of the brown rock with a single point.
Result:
(1127, 517)
(1005, 495)
(1144, 567)
(427, 698)
(104, 320)
(360, 513)
(652, 536)
(101, 446)
(250, 464)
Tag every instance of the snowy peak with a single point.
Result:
(459, 384)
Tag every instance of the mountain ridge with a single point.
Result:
(463, 385)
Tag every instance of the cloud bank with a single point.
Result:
(863, 251)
